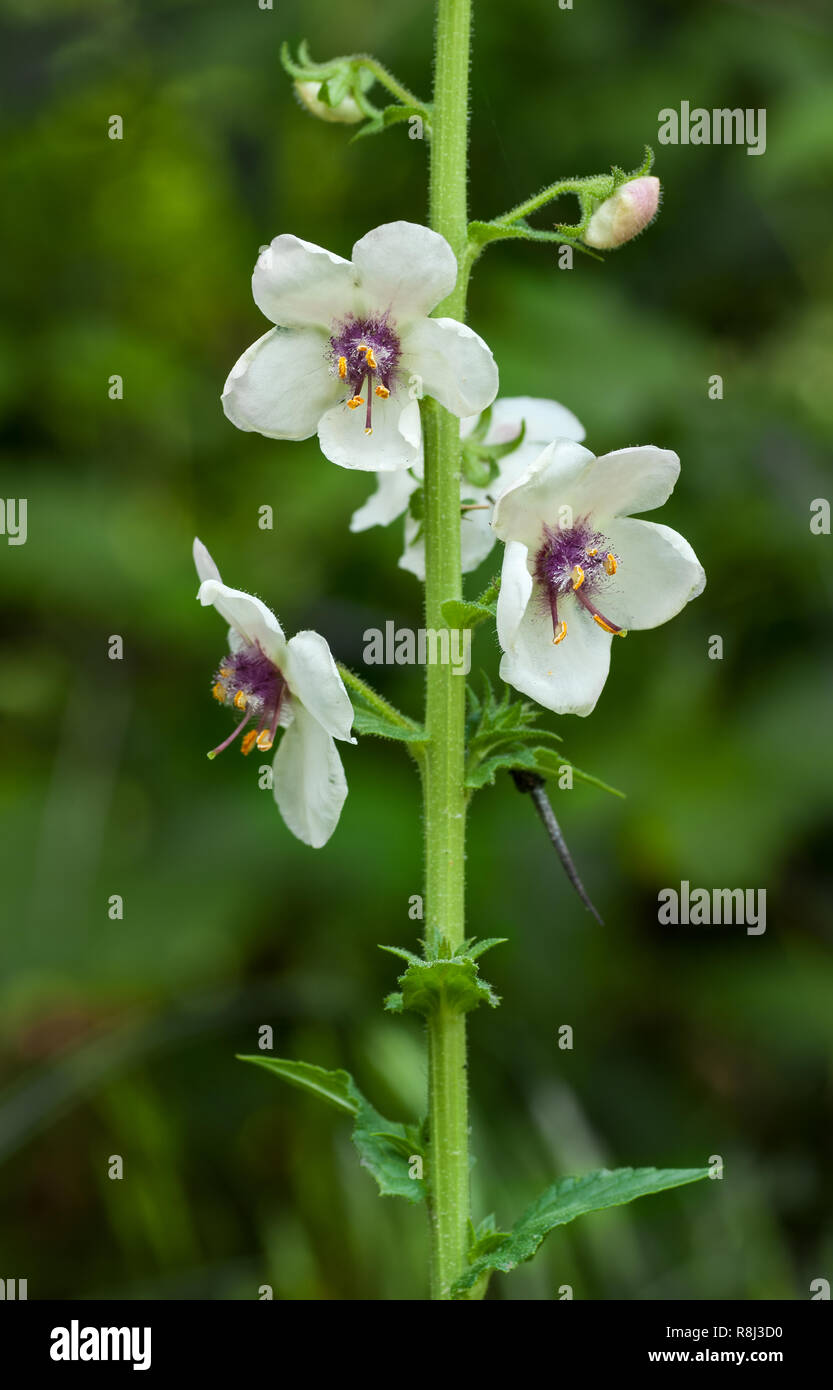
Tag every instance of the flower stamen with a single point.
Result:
(248, 742)
(354, 402)
(342, 368)
(232, 736)
(560, 634)
(382, 392)
(610, 563)
(600, 618)
(577, 576)
(240, 701)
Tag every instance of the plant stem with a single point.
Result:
(443, 773)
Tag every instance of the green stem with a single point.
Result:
(443, 772)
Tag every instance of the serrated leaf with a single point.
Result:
(380, 1142)
(454, 983)
(367, 721)
(562, 1203)
(547, 762)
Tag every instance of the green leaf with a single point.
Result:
(563, 1202)
(459, 613)
(366, 721)
(381, 1143)
(547, 762)
(453, 983)
(336, 1087)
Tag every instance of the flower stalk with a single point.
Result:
(444, 770)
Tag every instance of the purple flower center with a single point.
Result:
(365, 354)
(246, 680)
(575, 560)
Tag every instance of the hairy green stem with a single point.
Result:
(443, 772)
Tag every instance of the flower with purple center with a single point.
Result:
(540, 420)
(579, 568)
(277, 684)
(354, 350)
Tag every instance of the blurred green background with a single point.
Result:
(118, 1037)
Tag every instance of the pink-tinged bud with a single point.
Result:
(624, 214)
(345, 113)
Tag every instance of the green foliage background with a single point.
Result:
(118, 1037)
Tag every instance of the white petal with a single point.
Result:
(568, 678)
(247, 616)
(658, 574)
(282, 384)
(388, 501)
(536, 496)
(206, 568)
(296, 284)
(341, 435)
(626, 481)
(308, 780)
(545, 421)
(413, 556)
(404, 268)
(313, 678)
(515, 592)
(477, 539)
(453, 364)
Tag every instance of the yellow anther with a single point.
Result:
(594, 551)
(225, 671)
(264, 740)
(248, 742)
(240, 700)
(610, 564)
(342, 368)
(354, 402)
(382, 392)
(577, 576)
(370, 359)
(561, 633)
(218, 691)
(363, 347)
(607, 627)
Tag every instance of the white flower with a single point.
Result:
(354, 348)
(578, 568)
(278, 684)
(544, 420)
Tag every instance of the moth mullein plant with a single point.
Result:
(374, 356)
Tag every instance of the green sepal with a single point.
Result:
(562, 1203)
(381, 1143)
(451, 983)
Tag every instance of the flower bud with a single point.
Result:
(345, 111)
(623, 215)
